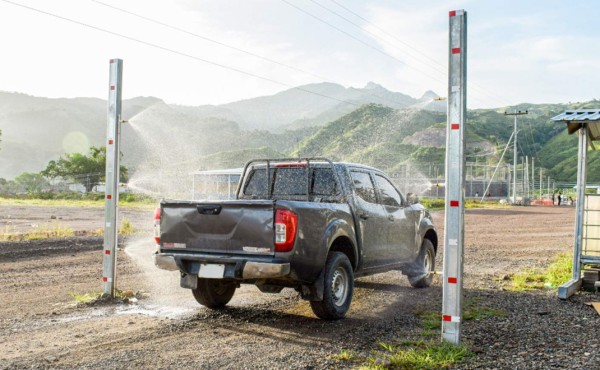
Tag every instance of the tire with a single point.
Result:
(337, 292)
(214, 293)
(425, 264)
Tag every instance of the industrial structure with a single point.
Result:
(586, 248)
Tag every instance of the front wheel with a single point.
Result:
(214, 293)
(337, 292)
(424, 265)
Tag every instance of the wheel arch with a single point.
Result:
(345, 245)
(431, 235)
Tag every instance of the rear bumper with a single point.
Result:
(237, 267)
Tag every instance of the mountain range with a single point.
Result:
(370, 125)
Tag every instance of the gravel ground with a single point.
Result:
(41, 326)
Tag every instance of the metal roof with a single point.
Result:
(579, 115)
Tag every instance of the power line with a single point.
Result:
(229, 46)
(367, 44)
(360, 41)
(471, 84)
(384, 32)
(371, 33)
(210, 40)
(163, 48)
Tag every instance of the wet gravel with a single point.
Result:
(41, 327)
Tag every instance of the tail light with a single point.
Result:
(157, 226)
(286, 225)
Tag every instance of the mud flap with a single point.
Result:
(314, 291)
(188, 281)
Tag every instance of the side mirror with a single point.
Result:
(412, 198)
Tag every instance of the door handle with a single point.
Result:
(363, 216)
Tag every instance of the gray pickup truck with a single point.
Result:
(310, 224)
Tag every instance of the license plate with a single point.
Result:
(211, 271)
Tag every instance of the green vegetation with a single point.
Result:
(439, 203)
(56, 230)
(346, 356)
(421, 355)
(87, 170)
(92, 298)
(557, 273)
(126, 227)
(32, 183)
(427, 354)
(76, 199)
(238, 158)
(85, 298)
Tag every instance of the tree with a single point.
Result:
(88, 170)
(31, 182)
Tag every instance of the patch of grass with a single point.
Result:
(439, 203)
(55, 231)
(126, 227)
(431, 320)
(433, 203)
(421, 355)
(472, 310)
(558, 272)
(9, 234)
(346, 356)
(81, 203)
(481, 312)
(92, 298)
(86, 297)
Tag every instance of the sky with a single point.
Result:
(197, 52)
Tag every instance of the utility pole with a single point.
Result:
(516, 113)
(541, 183)
(532, 185)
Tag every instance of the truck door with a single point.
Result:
(371, 218)
(400, 226)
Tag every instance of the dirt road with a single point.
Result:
(42, 326)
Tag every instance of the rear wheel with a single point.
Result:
(424, 265)
(214, 293)
(337, 292)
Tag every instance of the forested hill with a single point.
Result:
(390, 138)
(160, 135)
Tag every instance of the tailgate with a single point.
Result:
(236, 227)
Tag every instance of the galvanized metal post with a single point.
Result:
(514, 194)
(111, 202)
(541, 182)
(568, 289)
(455, 177)
(532, 185)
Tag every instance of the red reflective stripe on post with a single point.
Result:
(110, 142)
(455, 126)
(452, 13)
(112, 87)
(107, 251)
(452, 280)
(446, 318)
(455, 50)
(108, 196)
(104, 278)
(454, 203)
